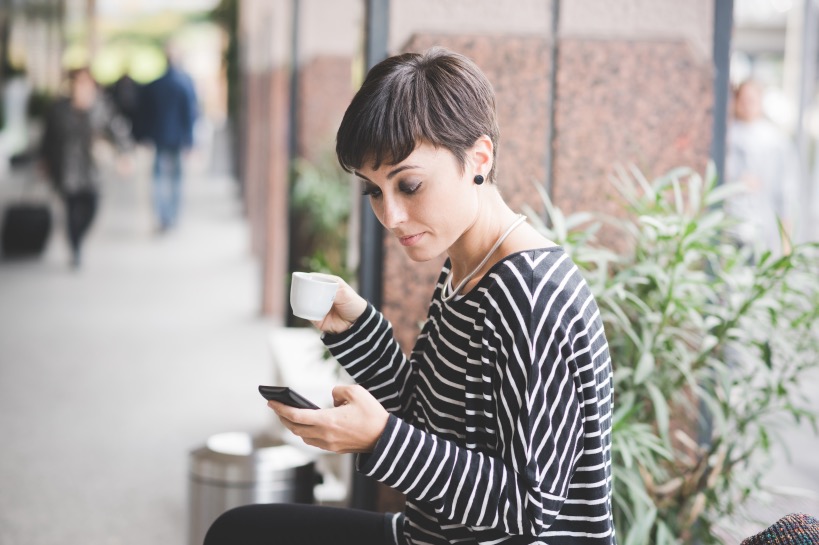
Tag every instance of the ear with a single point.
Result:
(480, 156)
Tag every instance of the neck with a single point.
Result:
(491, 221)
(80, 105)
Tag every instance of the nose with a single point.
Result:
(393, 212)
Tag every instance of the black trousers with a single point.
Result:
(81, 208)
(298, 524)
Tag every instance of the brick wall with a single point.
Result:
(325, 90)
(626, 102)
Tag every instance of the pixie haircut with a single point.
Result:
(438, 97)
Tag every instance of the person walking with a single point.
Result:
(124, 95)
(71, 125)
(763, 163)
(167, 113)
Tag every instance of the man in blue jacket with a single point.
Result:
(168, 109)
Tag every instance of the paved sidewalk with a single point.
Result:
(109, 376)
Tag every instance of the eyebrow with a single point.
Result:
(391, 174)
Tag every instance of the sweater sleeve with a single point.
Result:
(369, 352)
(519, 486)
(50, 147)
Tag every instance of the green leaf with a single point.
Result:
(661, 410)
(679, 203)
(645, 366)
(624, 450)
(664, 536)
(639, 533)
(695, 186)
(767, 354)
(763, 439)
(644, 183)
(630, 479)
(722, 193)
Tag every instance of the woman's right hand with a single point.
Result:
(346, 309)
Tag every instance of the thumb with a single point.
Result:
(343, 394)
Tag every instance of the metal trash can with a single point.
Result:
(234, 469)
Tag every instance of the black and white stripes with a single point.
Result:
(500, 419)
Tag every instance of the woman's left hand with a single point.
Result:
(353, 425)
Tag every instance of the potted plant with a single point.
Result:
(709, 341)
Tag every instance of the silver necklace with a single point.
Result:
(448, 282)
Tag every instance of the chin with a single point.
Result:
(421, 255)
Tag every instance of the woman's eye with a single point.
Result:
(369, 191)
(410, 188)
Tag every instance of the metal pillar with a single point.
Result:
(807, 87)
(552, 100)
(723, 27)
(371, 237)
(295, 67)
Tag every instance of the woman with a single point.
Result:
(67, 149)
(497, 428)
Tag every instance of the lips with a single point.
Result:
(410, 240)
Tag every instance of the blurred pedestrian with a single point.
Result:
(763, 160)
(124, 94)
(67, 151)
(167, 112)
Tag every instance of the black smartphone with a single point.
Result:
(285, 395)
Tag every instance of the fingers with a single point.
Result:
(346, 309)
(310, 426)
(354, 425)
(301, 422)
(304, 417)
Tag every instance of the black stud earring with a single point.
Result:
(478, 179)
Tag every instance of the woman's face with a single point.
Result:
(748, 103)
(83, 91)
(425, 201)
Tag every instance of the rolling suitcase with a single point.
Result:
(26, 228)
(26, 219)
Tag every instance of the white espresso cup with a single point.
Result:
(311, 295)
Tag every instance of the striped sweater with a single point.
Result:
(500, 421)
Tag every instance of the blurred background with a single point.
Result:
(116, 366)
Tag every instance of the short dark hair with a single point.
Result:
(438, 97)
(75, 73)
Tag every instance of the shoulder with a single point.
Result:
(515, 282)
(528, 296)
(180, 78)
(536, 293)
(168, 78)
(534, 284)
(534, 266)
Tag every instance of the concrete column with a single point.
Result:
(266, 28)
